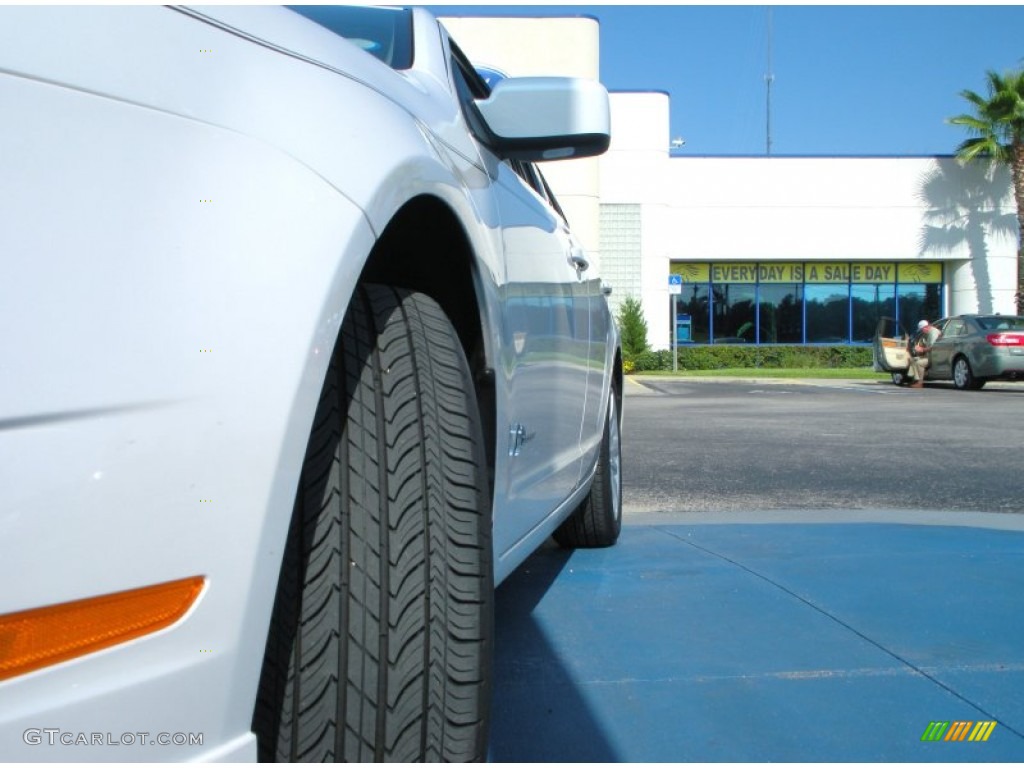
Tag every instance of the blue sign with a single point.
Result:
(675, 279)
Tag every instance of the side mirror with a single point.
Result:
(547, 118)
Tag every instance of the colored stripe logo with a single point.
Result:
(958, 730)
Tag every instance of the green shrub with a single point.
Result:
(715, 357)
(632, 328)
(653, 361)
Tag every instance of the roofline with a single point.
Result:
(642, 91)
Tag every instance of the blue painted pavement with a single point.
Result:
(764, 642)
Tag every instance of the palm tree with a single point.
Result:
(997, 129)
(963, 207)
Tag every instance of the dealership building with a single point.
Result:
(762, 250)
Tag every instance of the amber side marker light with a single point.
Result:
(37, 638)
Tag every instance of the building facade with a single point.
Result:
(764, 250)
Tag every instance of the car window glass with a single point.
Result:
(955, 327)
(551, 196)
(462, 87)
(528, 173)
(469, 87)
(1001, 323)
(468, 82)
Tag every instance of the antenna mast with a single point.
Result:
(768, 78)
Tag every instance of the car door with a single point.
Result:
(591, 331)
(542, 368)
(546, 350)
(890, 346)
(942, 352)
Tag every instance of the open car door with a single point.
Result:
(890, 349)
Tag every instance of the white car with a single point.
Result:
(299, 360)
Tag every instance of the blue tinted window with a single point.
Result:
(871, 302)
(733, 308)
(781, 313)
(694, 303)
(828, 314)
(490, 76)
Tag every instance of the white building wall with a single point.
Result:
(802, 208)
(849, 208)
(720, 209)
(635, 170)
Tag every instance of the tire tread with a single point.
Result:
(380, 641)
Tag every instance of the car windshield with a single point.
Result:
(383, 32)
(1001, 323)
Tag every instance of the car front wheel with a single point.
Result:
(381, 636)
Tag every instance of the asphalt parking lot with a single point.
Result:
(784, 589)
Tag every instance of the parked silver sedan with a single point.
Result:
(974, 349)
(300, 359)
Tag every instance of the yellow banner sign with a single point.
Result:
(921, 272)
(691, 272)
(782, 272)
(827, 272)
(734, 273)
(811, 272)
(873, 272)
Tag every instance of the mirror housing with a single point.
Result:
(547, 118)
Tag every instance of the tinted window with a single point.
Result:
(1001, 323)
(490, 76)
(828, 314)
(954, 327)
(383, 32)
(469, 87)
(733, 309)
(870, 303)
(469, 82)
(781, 308)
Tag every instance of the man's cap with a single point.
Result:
(922, 324)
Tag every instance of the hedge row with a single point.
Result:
(710, 358)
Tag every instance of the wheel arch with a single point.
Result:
(618, 379)
(425, 248)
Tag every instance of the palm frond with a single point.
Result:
(974, 98)
(1003, 105)
(996, 83)
(970, 122)
(985, 147)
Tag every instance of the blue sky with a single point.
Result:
(849, 80)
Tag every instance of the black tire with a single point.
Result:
(898, 378)
(381, 639)
(963, 376)
(598, 520)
